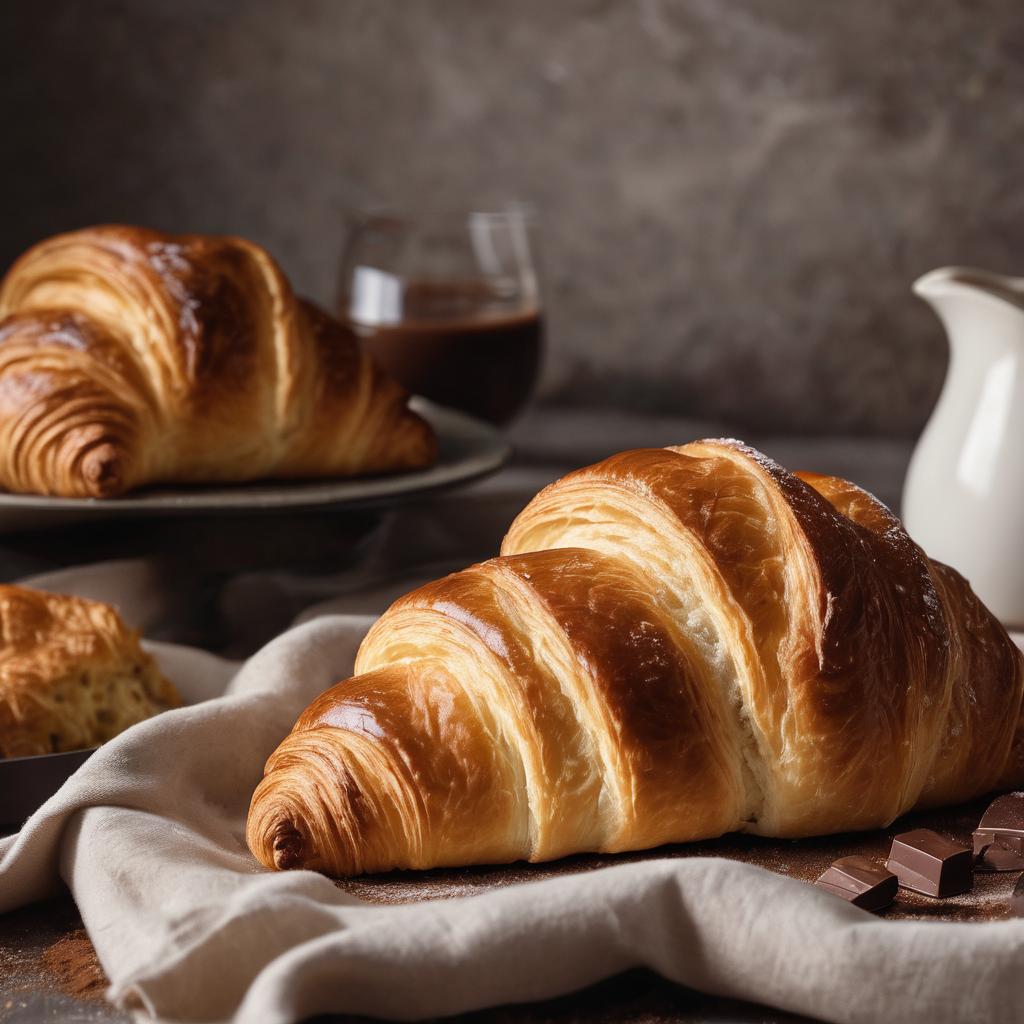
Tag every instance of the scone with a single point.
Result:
(72, 674)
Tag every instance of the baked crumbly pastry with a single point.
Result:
(72, 674)
(675, 643)
(130, 357)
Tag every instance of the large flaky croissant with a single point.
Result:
(675, 643)
(130, 357)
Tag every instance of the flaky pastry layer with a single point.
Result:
(130, 357)
(72, 674)
(675, 643)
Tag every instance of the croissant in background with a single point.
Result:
(130, 357)
(675, 643)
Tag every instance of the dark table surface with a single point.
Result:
(31, 985)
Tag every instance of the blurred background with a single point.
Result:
(735, 198)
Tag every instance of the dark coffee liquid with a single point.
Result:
(485, 363)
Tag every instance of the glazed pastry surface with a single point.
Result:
(72, 674)
(130, 357)
(675, 643)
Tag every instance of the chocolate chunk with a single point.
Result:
(1017, 899)
(999, 837)
(1005, 853)
(860, 881)
(928, 863)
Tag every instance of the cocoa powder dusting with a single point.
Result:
(803, 859)
(72, 964)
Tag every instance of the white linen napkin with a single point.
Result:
(149, 835)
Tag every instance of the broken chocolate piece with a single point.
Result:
(999, 837)
(1017, 899)
(860, 881)
(1001, 854)
(930, 864)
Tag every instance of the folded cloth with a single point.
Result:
(149, 835)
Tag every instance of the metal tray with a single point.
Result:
(28, 782)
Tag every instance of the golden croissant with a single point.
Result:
(676, 643)
(130, 357)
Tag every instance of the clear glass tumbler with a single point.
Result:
(448, 302)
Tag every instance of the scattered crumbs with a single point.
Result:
(803, 859)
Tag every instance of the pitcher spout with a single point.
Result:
(959, 283)
(980, 310)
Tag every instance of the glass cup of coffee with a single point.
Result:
(448, 303)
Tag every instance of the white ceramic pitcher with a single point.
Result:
(963, 501)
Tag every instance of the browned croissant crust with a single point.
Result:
(72, 674)
(130, 357)
(675, 643)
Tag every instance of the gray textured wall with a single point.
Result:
(736, 195)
